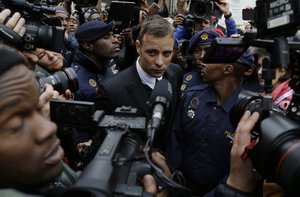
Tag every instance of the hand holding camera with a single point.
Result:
(16, 22)
(224, 6)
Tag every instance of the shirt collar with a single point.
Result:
(145, 77)
(229, 103)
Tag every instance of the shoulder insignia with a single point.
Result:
(194, 102)
(92, 82)
(191, 114)
(189, 77)
(183, 86)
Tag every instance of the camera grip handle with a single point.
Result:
(7, 34)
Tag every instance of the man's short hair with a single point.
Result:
(157, 26)
(9, 58)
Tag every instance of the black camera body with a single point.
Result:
(39, 33)
(116, 169)
(276, 155)
(203, 9)
(188, 21)
(277, 17)
(118, 166)
(85, 3)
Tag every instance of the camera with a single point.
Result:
(189, 21)
(61, 81)
(119, 164)
(39, 33)
(85, 3)
(203, 9)
(276, 155)
(114, 166)
(277, 18)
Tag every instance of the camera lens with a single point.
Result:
(61, 80)
(246, 101)
(276, 156)
(189, 21)
(47, 37)
(201, 10)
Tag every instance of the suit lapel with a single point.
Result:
(137, 91)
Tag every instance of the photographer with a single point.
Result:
(70, 43)
(182, 32)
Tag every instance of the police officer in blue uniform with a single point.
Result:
(198, 46)
(97, 46)
(200, 145)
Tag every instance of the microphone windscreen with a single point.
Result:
(163, 88)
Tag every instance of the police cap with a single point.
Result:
(203, 37)
(246, 59)
(92, 30)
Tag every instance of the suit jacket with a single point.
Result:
(127, 89)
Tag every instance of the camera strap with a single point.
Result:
(249, 147)
(284, 96)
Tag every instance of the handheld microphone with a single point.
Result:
(160, 99)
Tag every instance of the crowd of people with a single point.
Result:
(196, 139)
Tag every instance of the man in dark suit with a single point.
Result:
(133, 86)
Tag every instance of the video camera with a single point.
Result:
(41, 31)
(119, 164)
(203, 9)
(277, 18)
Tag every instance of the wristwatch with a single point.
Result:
(228, 16)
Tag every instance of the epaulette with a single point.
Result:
(190, 79)
(199, 87)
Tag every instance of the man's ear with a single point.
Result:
(138, 46)
(228, 69)
(88, 46)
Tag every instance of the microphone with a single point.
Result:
(160, 99)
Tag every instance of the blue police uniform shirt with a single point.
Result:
(200, 145)
(190, 79)
(89, 76)
(194, 78)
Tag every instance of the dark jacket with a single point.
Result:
(89, 76)
(127, 89)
